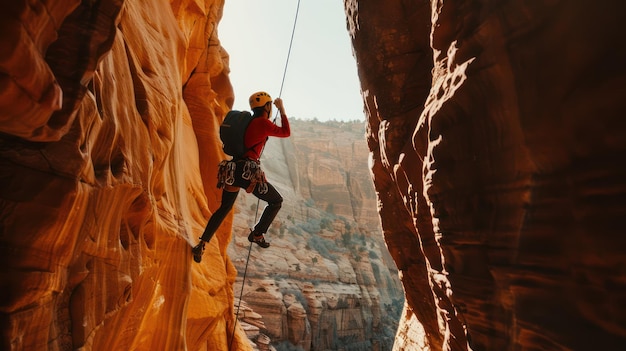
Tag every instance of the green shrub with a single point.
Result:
(326, 223)
(373, 255)
(346, 239)
(312, 226)
(323, 246)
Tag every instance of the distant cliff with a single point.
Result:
(327, 260)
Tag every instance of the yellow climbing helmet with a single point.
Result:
(259, 99)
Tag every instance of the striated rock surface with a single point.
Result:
(327, 167)
(497, 137)
(108, 114)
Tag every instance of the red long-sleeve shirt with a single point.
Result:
(257, 132)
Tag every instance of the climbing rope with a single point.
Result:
(245, 271)
(293, 31)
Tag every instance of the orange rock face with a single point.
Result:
(108, 114)
(497, 135)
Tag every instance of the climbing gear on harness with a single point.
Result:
(259, 99)
(226, 173)
(197, 251)
(258, 239)
(250, 171)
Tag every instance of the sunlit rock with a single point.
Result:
(108, 114)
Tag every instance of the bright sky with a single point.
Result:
(321, 80)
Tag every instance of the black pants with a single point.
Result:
(271, 196)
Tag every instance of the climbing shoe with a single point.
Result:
(258, 239)
(197, 251)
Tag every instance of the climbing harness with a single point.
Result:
(243, 282)
(226, 173)
(251, 171)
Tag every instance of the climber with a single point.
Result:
(245, 172)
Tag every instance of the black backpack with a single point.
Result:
(232, 132)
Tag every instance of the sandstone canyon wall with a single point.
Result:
(108, 115)
(497, 135)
